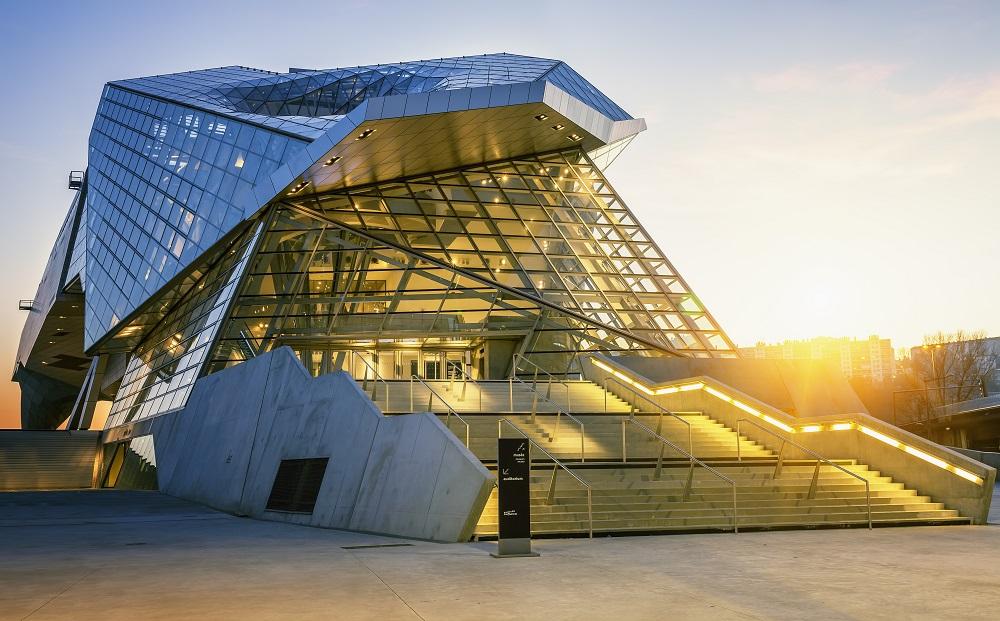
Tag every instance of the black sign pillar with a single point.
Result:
(514, 495)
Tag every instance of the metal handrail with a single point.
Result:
(814, 484)
(513, 373)
(375, 379)
(466, 378)
(693, 460)
(663, 410)
(430, 402)
(559, 414)
(555, 469)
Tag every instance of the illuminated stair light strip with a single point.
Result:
(881, 437)
(940, 463)
(778, 424)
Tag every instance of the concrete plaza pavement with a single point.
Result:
(127, 555)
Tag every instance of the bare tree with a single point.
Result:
(953, 366)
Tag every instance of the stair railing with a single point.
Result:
(431, 395)
(814, 484)
(550, 497)
(631, 419)
(662, 410)
(375, 379)
(559, 414)
(466, 379)
(549, 380)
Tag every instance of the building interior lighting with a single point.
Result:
(541, 117)
(333, 160)
(366, 133)
(558, 127)
(574, 137)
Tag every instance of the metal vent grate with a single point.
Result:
(297, 484)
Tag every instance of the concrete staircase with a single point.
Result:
(631, 499)
(633, 495)
(40, 460)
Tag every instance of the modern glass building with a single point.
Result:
(427, 215)
(412, 225)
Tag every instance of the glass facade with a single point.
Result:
(163, 183)
(536, 255)
(424, 275)
(172, 156)
(163, 368)
(318, 93)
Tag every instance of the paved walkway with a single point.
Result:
(140, 555)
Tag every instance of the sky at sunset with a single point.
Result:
(811, 168)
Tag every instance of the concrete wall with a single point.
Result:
(986, 457)
(406, 475)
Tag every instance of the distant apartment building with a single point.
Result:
(871, 358)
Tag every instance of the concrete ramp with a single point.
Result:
(402, 475)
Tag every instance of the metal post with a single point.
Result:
(590, 513)
(736, 528)
(689, 484)
(739, 455)
(814, 484)
(781, 461)
(659, 463)
(510, 381)
(624, 450)
(868, 496)
(552, 484)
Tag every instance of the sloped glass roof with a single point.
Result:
(308, 101)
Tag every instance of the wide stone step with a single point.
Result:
(909, 503)
(544, 517)
(743, 520)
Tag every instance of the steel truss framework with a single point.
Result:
(538, 254)
(539, 249)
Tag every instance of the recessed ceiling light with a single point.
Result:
(333, 160)
(365, 134)
(541, 117)
(558, 127)
(575, 137)
(296, 188)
